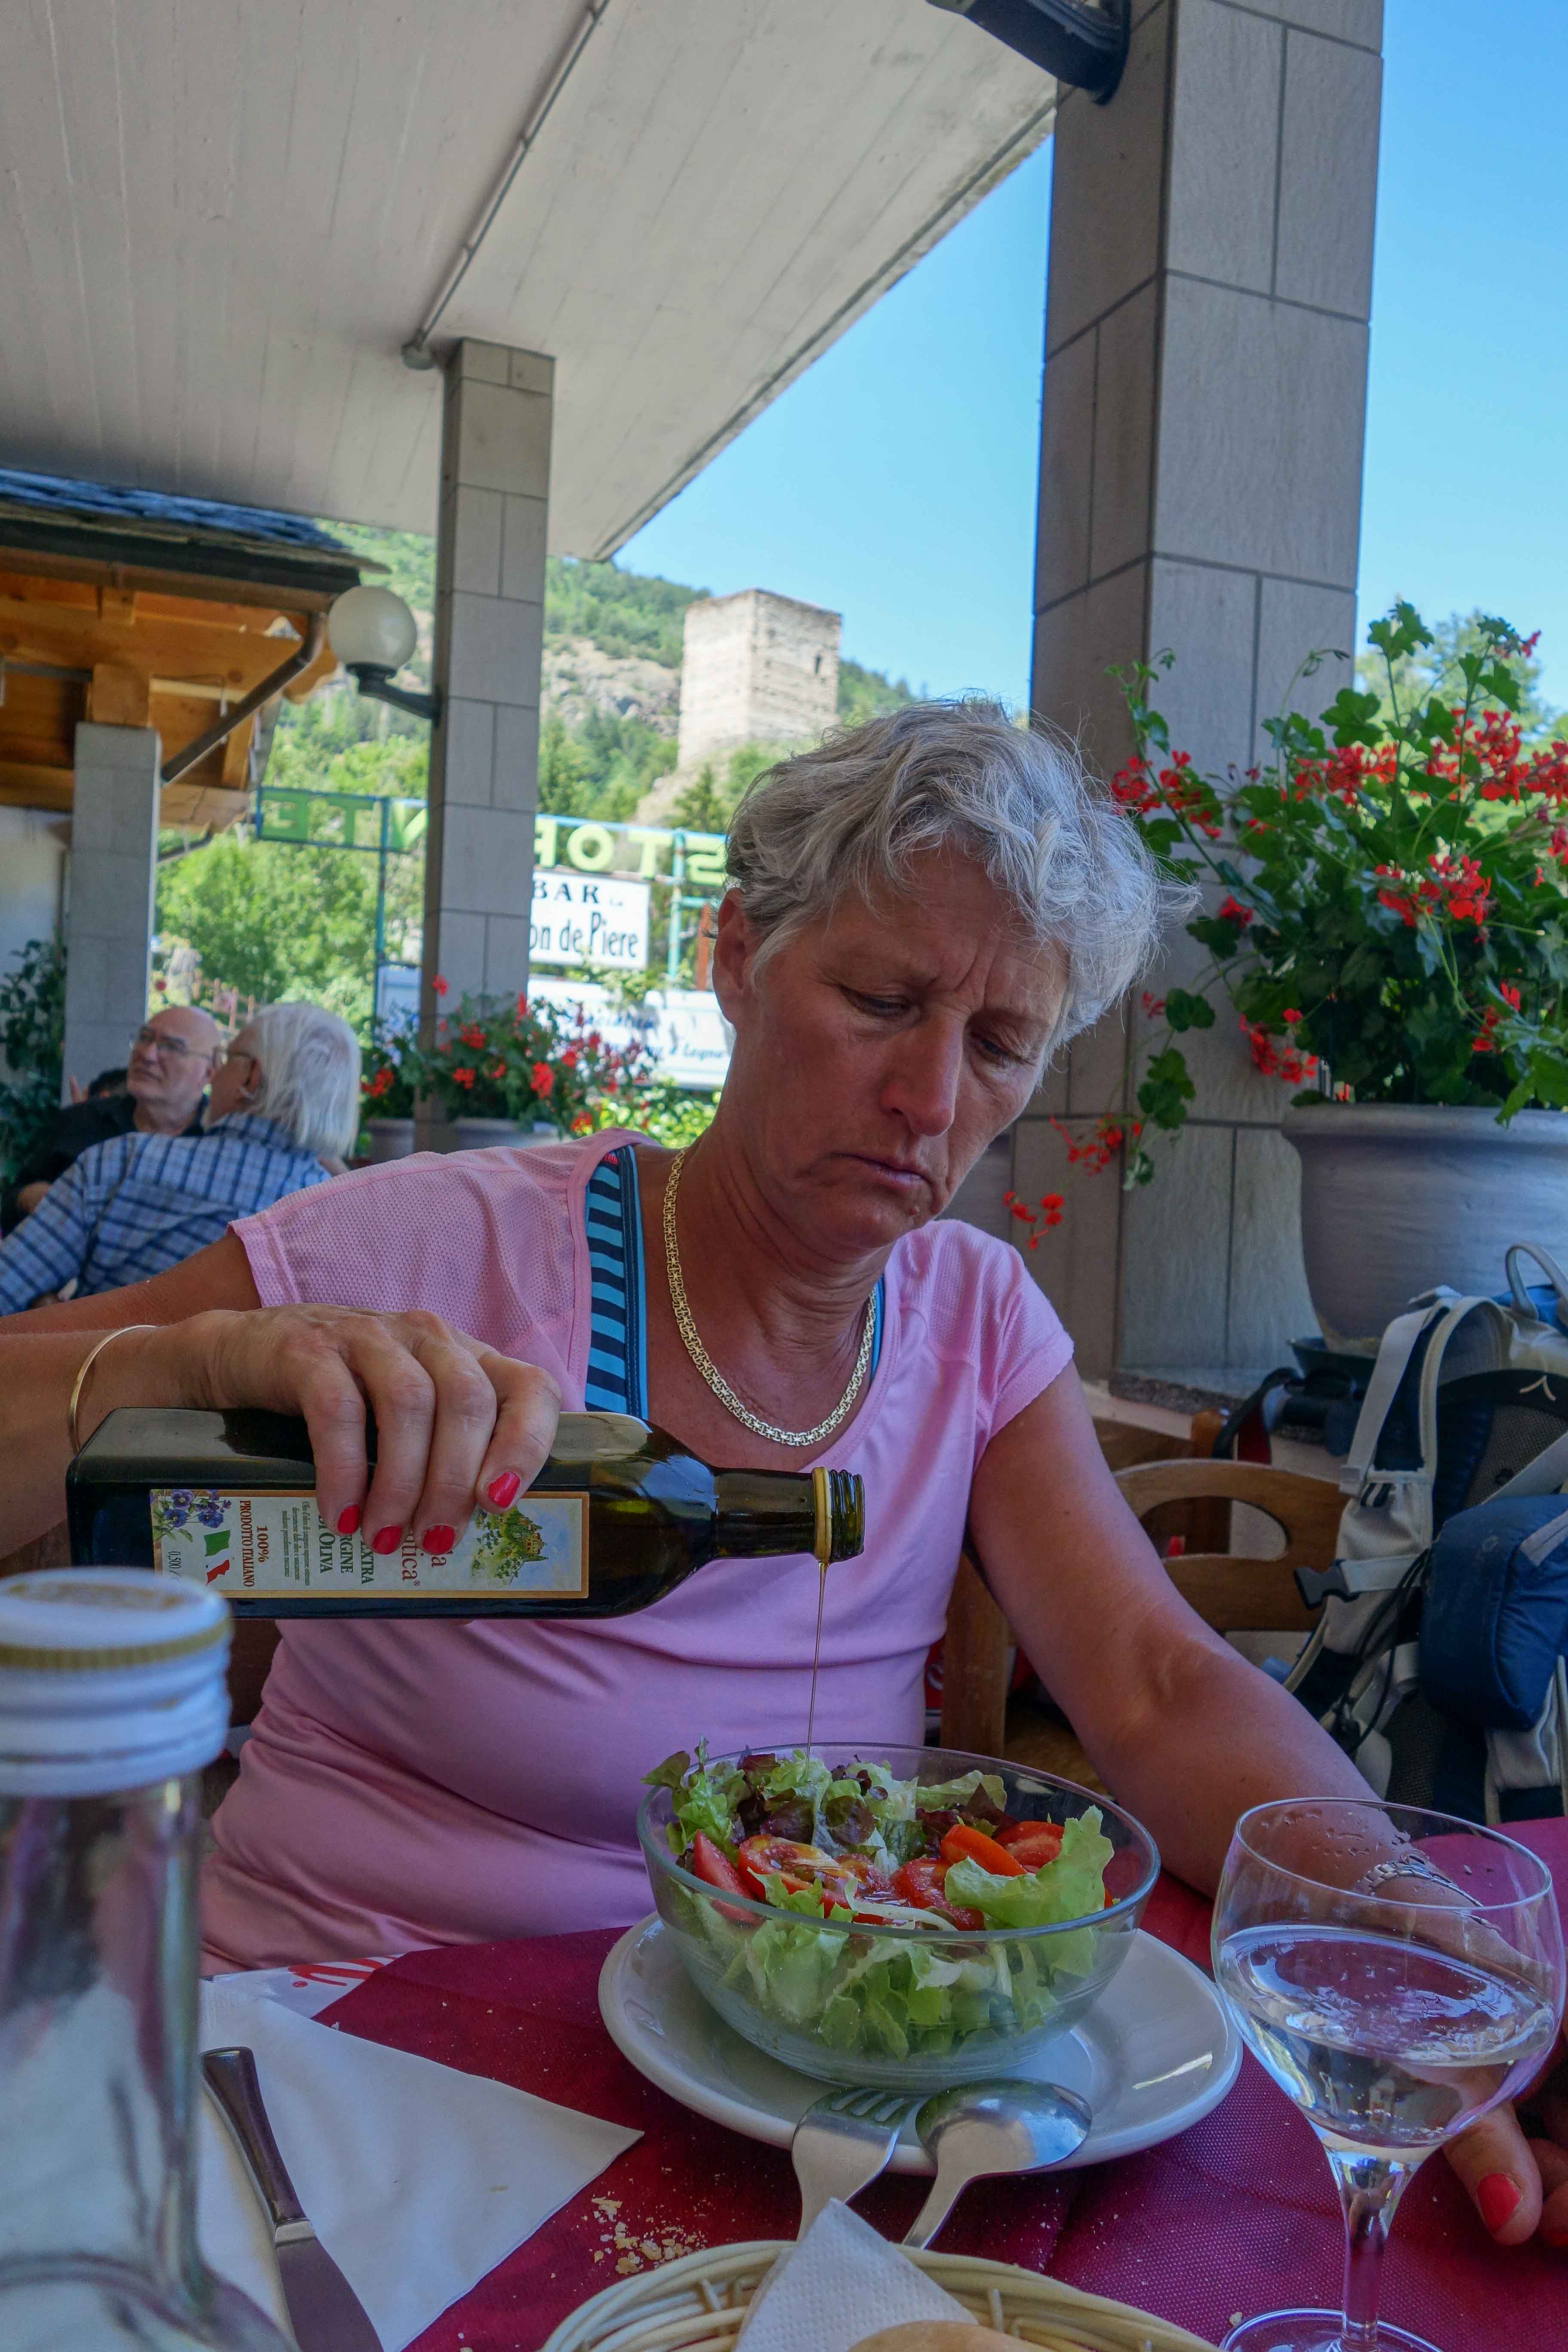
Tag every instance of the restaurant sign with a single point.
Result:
(585, 918)
(653, 852)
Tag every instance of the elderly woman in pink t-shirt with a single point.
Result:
(920, 914)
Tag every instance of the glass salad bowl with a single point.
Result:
(854, 1997)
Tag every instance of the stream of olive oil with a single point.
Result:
(816, 1651)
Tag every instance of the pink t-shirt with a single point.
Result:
(410, 1784)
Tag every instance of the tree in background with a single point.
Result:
(32, 1041)
(710, 800)
(275, 921)
(623, 612)
(866, 694)
(601, 768)
(1419, 675)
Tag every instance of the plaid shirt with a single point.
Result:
(136, 1205)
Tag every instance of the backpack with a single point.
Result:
(1438, 1662)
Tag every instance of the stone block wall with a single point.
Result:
(1200, 490)
(755, 667)
(109, 893)
(490, 631)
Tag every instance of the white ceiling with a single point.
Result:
(220, 219)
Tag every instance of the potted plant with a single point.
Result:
(1393, 937)
(510, 1072)
(388, 1084)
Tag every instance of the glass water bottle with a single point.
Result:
(112, 1696)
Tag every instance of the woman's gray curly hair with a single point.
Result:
(959, 776)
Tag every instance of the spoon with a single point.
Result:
(978, 2130)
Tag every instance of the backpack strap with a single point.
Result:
(1394, 1352)
(1547, 1474)
(1523, 1304)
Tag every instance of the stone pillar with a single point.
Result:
(490, 637)
(108, 904)
(1200, 488)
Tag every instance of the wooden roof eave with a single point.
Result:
(256, 571)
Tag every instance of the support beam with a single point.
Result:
(1200, 488)
(108, 919)
(489, 636)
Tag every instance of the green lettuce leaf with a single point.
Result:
(705, 1802)
(1070, 1887)
(952, 1796)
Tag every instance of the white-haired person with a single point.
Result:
(282, 1104)
(919, 915)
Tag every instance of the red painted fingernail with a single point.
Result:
(348, 1521)
(1498, 2197)
(503, 1490)
(438, 1538)
(1555, 2233)
(387, 1539)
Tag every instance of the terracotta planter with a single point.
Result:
(1397, 1199)
(390, 1139)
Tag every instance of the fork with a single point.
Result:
(842, 2143)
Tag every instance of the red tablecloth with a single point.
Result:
(1236, 2216)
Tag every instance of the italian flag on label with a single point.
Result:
(252, 1546)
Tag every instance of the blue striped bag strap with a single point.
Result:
(617, 1342)
(617, 1326)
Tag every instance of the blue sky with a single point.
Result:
(896, 480)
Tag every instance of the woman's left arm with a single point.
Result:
(1185, 1731)
(1182, 1730)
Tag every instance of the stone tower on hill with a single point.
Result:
(755, 668)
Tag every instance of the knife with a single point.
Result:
(324, 2312)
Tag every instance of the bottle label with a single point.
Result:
(275, 1544)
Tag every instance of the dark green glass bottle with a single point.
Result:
(618, 1516)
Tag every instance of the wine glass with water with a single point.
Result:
(1398, 1973)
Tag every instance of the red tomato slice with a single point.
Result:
(714, 1868)
(1033, 1844)
(920, 1884)
(964, 1844)
(764, 1856)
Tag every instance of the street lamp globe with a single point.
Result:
(372, 628)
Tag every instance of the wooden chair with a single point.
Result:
(1238, 1593)
(1232, 1592)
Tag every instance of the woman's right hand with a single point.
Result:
(457, 1424)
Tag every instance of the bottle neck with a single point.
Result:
(98, 2000)
(764, 1512)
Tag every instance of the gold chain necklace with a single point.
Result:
(709, 1370)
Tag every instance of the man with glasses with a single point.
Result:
(170, 1061)
(283, 1109)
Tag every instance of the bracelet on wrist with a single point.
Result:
(84, 1368)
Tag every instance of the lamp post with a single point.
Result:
(373, 633)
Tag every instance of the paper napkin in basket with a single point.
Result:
(420, 2179)
(841, 2283)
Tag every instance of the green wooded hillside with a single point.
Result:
(274, 920)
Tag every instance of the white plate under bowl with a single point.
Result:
(1156, 2052)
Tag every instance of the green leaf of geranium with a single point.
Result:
(1185, 1011)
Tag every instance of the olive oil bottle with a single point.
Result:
(618, 1516)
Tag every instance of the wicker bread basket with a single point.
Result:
(697, 2304)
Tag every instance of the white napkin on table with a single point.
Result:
(420, 2179)
(841, 2283)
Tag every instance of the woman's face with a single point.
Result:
(878, 1052)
